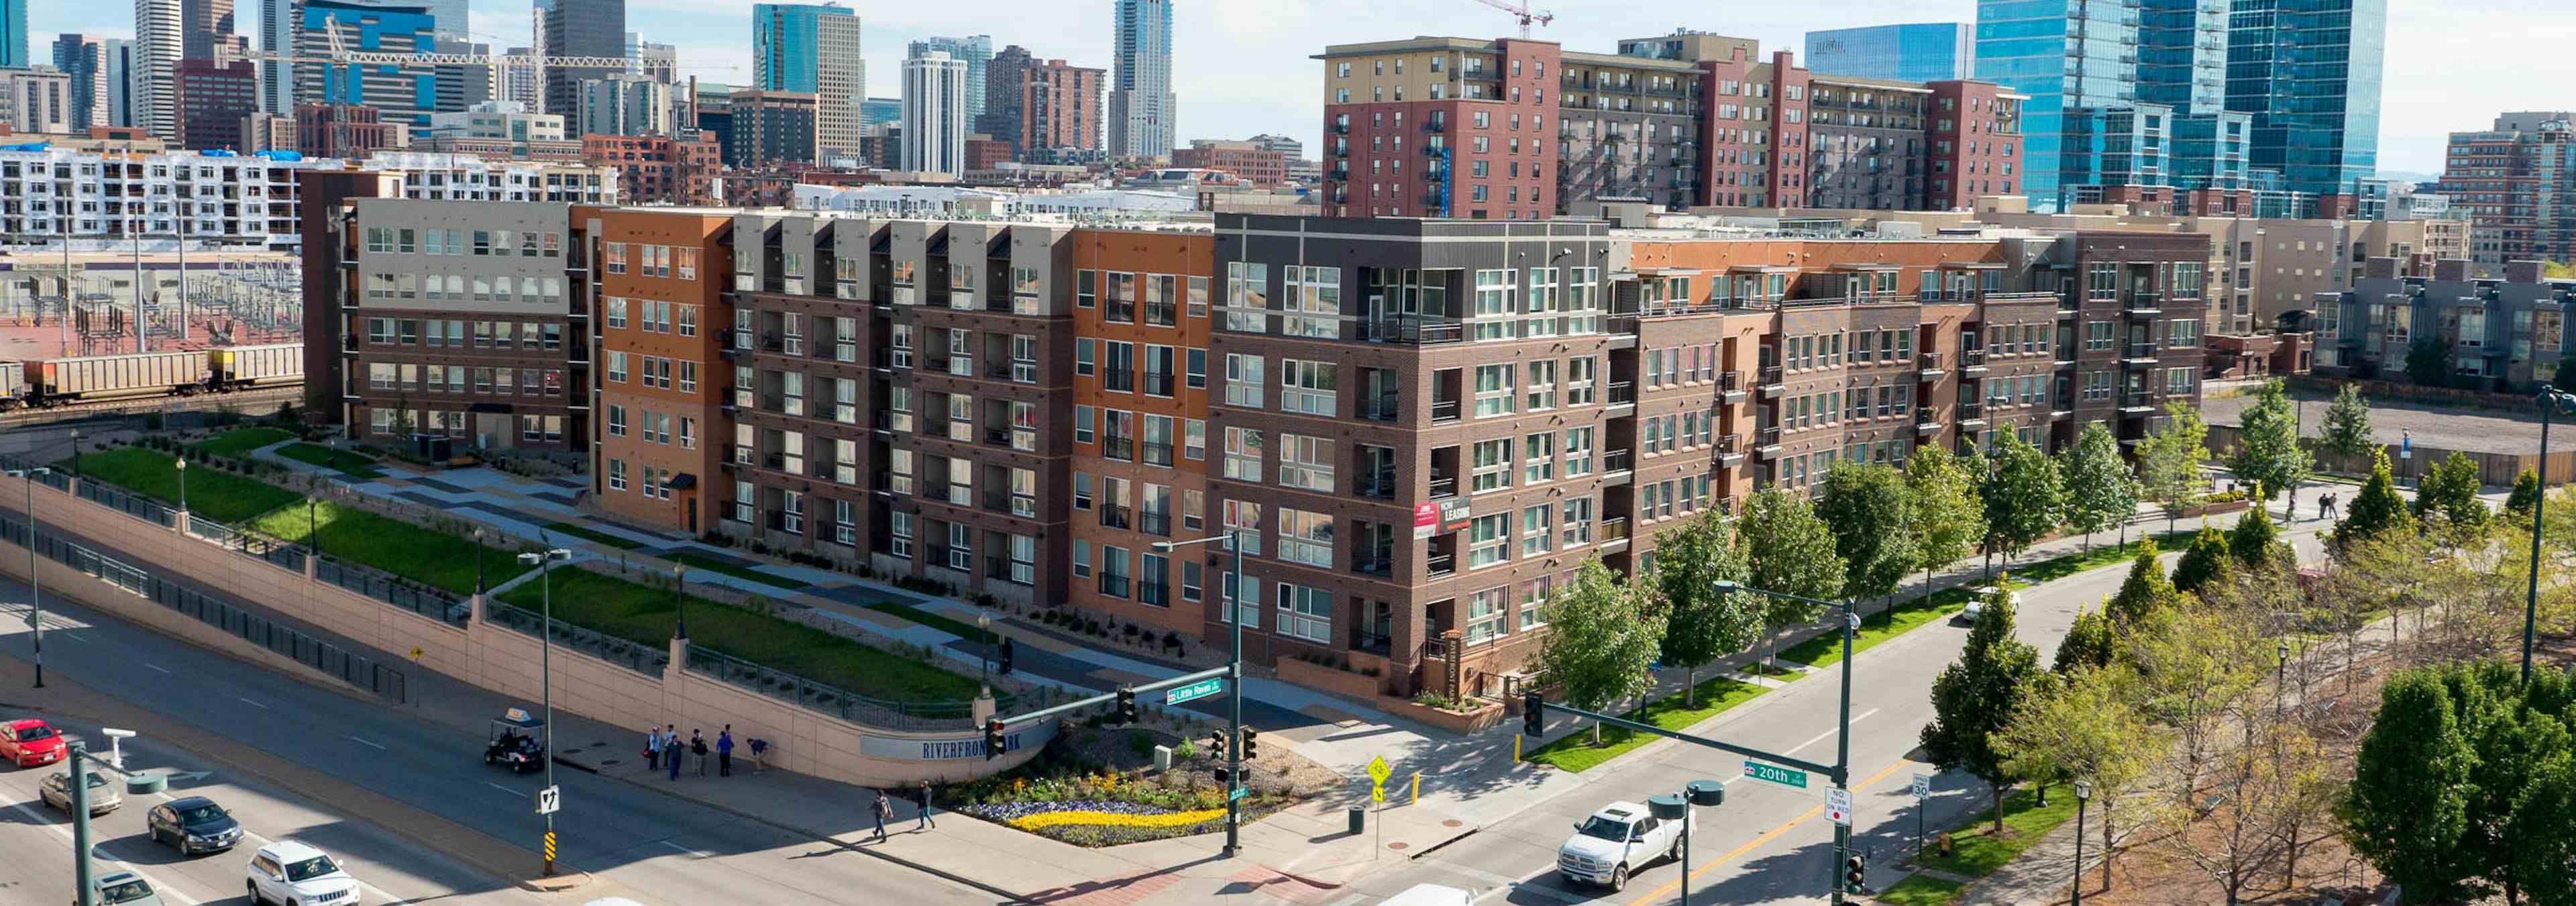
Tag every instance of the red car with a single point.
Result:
(29, 743)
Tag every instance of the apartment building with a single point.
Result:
(661, 169)
(242, 201)
(663, 306)
(2515, 181)
(1140, 446)
(1260, 166)
(2501, 332)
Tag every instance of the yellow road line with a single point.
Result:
(1767, 836)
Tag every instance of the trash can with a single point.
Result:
(1359, 818)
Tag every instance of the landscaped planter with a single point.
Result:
(1486, 714)
(1330, 679)
(2214, 509)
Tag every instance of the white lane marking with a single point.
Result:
(504, 789)
(1828, 734)
(72, 637)
(250, 703)
(1504, 884)
(165, 890)
(158, 667)
(385, 898)
(694, 852)
(366, 743)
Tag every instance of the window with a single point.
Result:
(617, 475)
(1306, 613)
(1538, 451)
(616, 311)
(1243, 381)
(1579, 377)
(1306, 537)
(1247, 296)
(616, 421)
(1085, 357)
(1314, 299)
(1539, 390)
(1486, 538)
(1244, 517)
(689, 376)
(1306, 462)
(1534, 603)
(1577, 522)
(1535, 529)
(1493, 301)
(1243, 454)
(1493, 390)
(688, 319)
(1493, 466)
(1307, 387)
(1485, 615)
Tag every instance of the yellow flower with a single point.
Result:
(1114, 819)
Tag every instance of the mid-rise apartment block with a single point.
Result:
(38, 99)
(659, 169)
(771, 127)
(1247, 160)
(1041, 104)
(2516, 184)
(1514, 129)
(2501, 333)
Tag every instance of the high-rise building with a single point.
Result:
(158, 37)
(13, 33)
(404, 95)
(345, 131)
(659, 62)
(2309, 72)
(1142, 109)
(814, 49)
(1918, 52)
(212, 98)
(976, 52)
(204, 25)
(279, 22)
(462, 86)
(771, 127)
(1034, 103)
(92, 63)
(36, 99)
(877, 112)
(579, 28)
(2516, 184)
(934, 113)
(519, 84)
(448, 17)
(625, 104)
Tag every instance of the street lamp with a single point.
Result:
(545, 561)
(2083, 792)
(680, 599)
(1842, 733)
(2551, 399)
(1234, 684)
(76, 468)
(2280, 675)
(183, 484)
(984, 659)
(35, 586)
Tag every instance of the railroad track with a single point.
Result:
(248, 399)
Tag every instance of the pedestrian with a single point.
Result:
(925, 821)
(884, 810)
(1006, 656)
(698, 747)
(724, 751)
(652, 748)
(671, 753)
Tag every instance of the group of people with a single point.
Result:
(884, 809)
(662, 750)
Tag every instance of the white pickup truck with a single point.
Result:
(1616, 841)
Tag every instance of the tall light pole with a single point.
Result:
(1233, 686)
(1842, 731)
(35, 586)
(183, 483)
(2083, 793)
(984, 659)
(680, 600)
(545, 561)
(2551, 399)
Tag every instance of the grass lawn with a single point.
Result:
(645, 615)
(347, 463)
(357, 536)
(212, 493)
(959, 628)
(1922, 890)
(566, 528)
(1827, 650)
(1977, 852)
(240, 441)
(710, 564)
(1577, 753)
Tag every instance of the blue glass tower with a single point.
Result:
(786, 45)
(2063, 54)
(13, 33)
(2309, 73)
(401, 94)
(1919, 52)
(976, 51)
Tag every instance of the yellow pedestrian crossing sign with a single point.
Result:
(1378, 772)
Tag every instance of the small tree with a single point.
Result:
(2090, 643)
(1602, 636)
(2025, 501)
(2428, 363)
(2450, 491)
(2347, 430)
(1865, 506)
(2268, 452)
(2100, 491)
(1977, 696)
(1947, 515)
(2086, 728)
(1788, 549)
(1703, 624)
(2406, 811)
(2145, 590)
(2525, 496)
(2376, 509)
(2169, 460)
(2254, 543)
(2204, 562)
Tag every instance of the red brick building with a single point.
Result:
(1260, 166)
(1033, 104)
(340, 130)
(678, 170)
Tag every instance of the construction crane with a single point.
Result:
(1521, 11)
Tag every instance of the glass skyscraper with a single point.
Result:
(1919, 52)
(2063, 54)
(976, 52)
(13, 33)
(2309, 73)
(813, 48)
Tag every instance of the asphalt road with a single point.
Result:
(637, 842)
(1771, 843)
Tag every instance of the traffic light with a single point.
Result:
(993, 741)
(1250, 751)
(1126, 706)
(1533, 714)
(1855, 873)
(1224, 776)
(1216, 744)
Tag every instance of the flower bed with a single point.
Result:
(1096, 787)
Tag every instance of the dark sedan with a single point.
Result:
(193, 825)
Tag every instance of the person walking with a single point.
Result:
(1005, 666)
(652, 748)
(671, 753)
(884, 809)
(724, 751)
(698, 747)
(924, 802)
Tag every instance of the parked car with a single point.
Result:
(1977, 598)
(123, 888)
(1615, 841)
(57, 792)
(30, 743)
(192, 825)
(291, 873)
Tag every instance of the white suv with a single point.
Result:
(1615, 841)
(294, 874)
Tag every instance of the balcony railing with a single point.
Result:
(1614, 528)
(1115, 516)
(1379, 485)
(1616, 461)
(1416, 330)
(1972, 358)
(1767, 437)
(1772, 375)
(1153, 523)
(1441, 566)
(1383, 407)
(1444, 410)
(1158, 383)
(2142, 350)
(1444, 487)
(1622, 393)
(1972, 411)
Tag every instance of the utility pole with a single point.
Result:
(84, 876)
(35, 584)
(1234, 688)
(545, 561)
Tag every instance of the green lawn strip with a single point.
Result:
(1976, 852)
(1827, 650)
(576, 531)
(1922, 890)
(435, 558)
(710, 564)
(212, 493)
(955, 627)
(646, 615)
(345, 462)
(240, 441)
(1577, 753)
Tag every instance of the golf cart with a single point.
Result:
(517, 742)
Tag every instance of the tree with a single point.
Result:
(2525, 496)
(2193, 664)
(1977, 696)
(2254, 543)
(1788, 549)
(2084, 728)
(2406, 811)
(2347, 431)
(2089, 644)
(2544, 818)
(2450, 490)
(2376, 509)
(2100, 491)
(2268, 452)
(2169, 460)
(2428, 363)
(1602, 636)
(1865, 506)
(2025, 500)
(2145, 590)
(2204, 562)
(1703, 624)
(1947, 514)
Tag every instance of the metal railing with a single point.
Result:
(1615, 461)
(834, 700)
(649, 660)
(1416, 329)
(436, 605)
(1622, 393)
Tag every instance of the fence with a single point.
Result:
(355, 669)
(649, 660)
(851, 706)
(436, 605)
(131, 504)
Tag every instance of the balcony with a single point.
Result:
(1622, 393)
(2140, 354)
(1443, 411)
(1972, 361)
(1925, 425)
(1382, 407)
(1444, 487)
(1972, 413)
(1380, 565)
(1929, 364)
(1767, 442)
(2138, 402)
(1730, 450)
(1731, 386)
(1440, 566)
(1614, 535)
(1617, 462)
(2146, 304)
(1379, 485)
(1773, 381)
(1416, 330)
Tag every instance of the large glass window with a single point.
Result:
(1306, 387)
(1306, 613)
(1243, 380)
(1306, 537)
(1487, 538)
(1243, 454)
(1306, 462)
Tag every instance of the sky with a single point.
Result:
(1240, 67)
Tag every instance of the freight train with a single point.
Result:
(87, 379)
